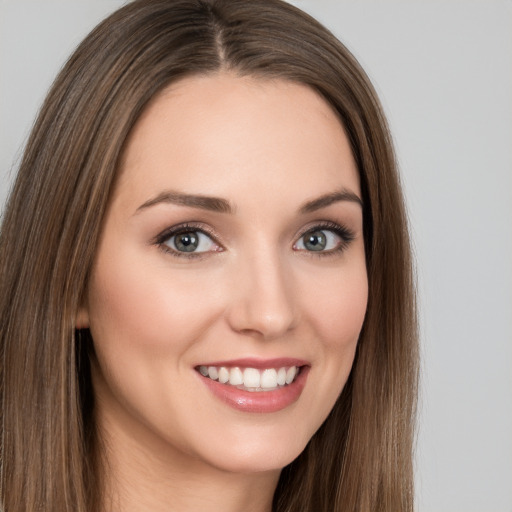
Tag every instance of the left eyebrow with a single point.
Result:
(328, 199)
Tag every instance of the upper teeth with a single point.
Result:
(251, 378)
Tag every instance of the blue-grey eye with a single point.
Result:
(318, 240)
(191, 241)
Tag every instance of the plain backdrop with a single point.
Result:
(443, 70)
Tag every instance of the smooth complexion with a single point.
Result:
(269, 269)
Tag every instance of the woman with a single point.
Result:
(207, 295)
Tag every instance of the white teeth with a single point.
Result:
(269, 379)
(212, 371)
(290, 374)
(251, 379)
(223, 375)
(236, 377)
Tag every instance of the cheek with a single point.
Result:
(143, 308)
(336, 311)
(337, 308)
(143, 320)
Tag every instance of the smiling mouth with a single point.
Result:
(252, 379)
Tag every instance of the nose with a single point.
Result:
(263, 301)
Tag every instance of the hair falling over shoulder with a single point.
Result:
(360, 460)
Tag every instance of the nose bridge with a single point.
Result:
(264, 302)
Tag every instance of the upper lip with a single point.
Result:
(251, 362)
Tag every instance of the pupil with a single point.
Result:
(315, 241)
(186, 242)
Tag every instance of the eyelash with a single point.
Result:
(345, 234)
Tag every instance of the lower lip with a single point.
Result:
(259, 401)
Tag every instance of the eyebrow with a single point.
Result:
(214, 204)
(328, 199)
(220, 205)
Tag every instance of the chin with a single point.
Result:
(257, 453)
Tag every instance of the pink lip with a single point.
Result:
(258, 401)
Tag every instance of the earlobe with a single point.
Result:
(82, 318)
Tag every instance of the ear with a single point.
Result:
(82, 318)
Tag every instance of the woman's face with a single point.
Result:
(231, 258)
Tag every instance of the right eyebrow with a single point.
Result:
(214, 204)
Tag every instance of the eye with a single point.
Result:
(185, 241)
(191, 241)
(326, 239)
(318, 240)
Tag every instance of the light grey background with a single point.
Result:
(444, 73)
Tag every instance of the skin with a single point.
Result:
(266, 147)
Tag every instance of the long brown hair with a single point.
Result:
(361, 457)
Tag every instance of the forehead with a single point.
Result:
(213, 133)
